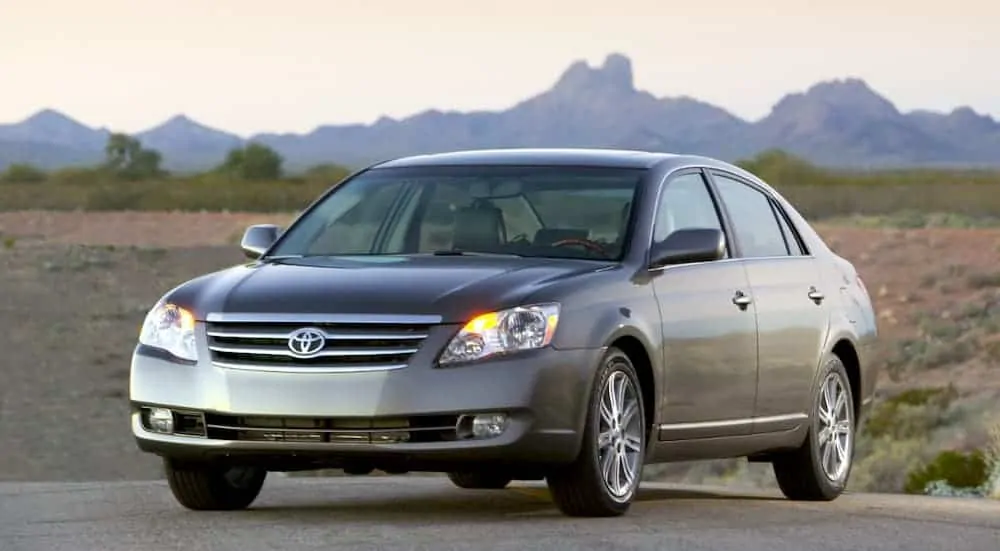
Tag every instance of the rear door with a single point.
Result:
(791, 305)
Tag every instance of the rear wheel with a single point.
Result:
(479, 480)
(605, 476)
(819, 470)
(203, 487)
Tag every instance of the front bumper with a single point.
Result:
(544, 393)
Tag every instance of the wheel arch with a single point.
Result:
(844, 347)
(845, 350)
(634, 344)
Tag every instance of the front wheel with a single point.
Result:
(818, 471)
(202, 487)
(605, 476)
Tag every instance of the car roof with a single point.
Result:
(618, 158)
(611, 158)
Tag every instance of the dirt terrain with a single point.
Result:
(75, 286)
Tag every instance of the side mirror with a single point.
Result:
(259, 238)
(689, 245)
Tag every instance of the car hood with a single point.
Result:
(454, 287)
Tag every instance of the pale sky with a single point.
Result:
(256, 65)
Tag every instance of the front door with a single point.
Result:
(709, 333)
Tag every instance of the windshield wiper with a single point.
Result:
(459, 252)
(278, 258)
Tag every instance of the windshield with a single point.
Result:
(556, 212)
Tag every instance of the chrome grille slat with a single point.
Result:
(328, 353)
(351, 343)
(339, 336)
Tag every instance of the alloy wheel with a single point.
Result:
(835, 434)
(619, 440)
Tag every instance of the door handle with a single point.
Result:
(815, 296)
(742, 300)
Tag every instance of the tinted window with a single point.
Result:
(790, 236)
(685, 203)
(756, 227)
(530, 211)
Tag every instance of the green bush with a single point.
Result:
(956, 469)
(252, 178)
(21, 173)
(911, 414)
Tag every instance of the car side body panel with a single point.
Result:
(792, 330)
(709, 351)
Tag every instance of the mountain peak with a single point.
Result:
(49, 117)
(54, 127)
(851, 97)
(853, 93)
(181, 122)
(180, 118)
(614, 74)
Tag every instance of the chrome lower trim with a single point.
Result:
(252, 317)
(308, 369)
(331, 431)
(731, 423)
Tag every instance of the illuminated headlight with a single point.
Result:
(170, 328)
(496, 333)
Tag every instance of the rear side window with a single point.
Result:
(791, 237)
(757, 228)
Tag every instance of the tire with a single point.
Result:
(202, 487)
(580, 489)
(479, 480)
(801, 474)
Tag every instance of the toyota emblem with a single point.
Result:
(306, 342)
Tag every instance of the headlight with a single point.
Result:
(170, 328)
(495, 333)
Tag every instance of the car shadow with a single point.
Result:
(453, 504)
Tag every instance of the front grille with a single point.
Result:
(430, 428)
(357, 346)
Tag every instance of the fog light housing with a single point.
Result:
(481, 425)
(160, 420)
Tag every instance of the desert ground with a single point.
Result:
(75, 287)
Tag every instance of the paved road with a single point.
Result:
(427, 513)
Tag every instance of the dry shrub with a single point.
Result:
(993, 452)
(883, 467)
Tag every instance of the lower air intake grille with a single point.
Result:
(338, 430)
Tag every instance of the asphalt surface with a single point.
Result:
(429, 513)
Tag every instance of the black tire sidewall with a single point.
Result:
(205, 487)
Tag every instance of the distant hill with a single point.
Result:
(839, 123)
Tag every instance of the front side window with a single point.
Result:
(557, 212)
(685, 203)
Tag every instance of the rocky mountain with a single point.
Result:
(187, 143)
(49, 138)
(835, 123)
